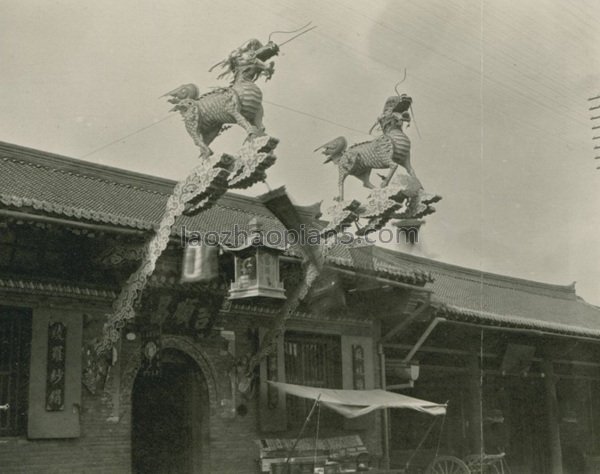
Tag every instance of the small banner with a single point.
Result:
(200, 263)
(151, 346)
(55, 371)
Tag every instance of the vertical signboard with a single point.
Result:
(55, 367)
(55, 373)
(358, 367)
(358, 373)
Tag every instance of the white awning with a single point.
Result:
(353, 403)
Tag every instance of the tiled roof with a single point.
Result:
(73, 188)
(59, 185)
(472, 295)
(54, 184)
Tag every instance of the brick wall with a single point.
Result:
(105, 446)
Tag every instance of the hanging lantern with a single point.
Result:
(256, 268)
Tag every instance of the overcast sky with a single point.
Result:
(500, 93)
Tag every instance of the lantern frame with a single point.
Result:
(256, 268)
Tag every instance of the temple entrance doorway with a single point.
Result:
(170, 418)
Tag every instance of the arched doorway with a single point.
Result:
(170, 418)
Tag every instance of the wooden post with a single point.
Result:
(385, 413)
(474, 415)
(553, 421)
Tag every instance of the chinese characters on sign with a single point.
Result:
(358, 367)
(55, 372)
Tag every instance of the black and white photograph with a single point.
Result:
(300, 237)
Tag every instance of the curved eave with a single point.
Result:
(55, 289)
(491, 319)
(74, 212)
(416, 278)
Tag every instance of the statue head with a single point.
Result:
(395, 112)
(183, 105)
(186, 91)
(333, 149)
(247, 60)
(397, 103)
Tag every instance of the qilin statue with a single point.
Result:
(207, 115)
(387, 151)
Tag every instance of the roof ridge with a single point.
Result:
(79, 175)
(451, 268)
(76, 165)
(563, 295)
(112, 175)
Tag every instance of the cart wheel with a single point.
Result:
(447, 465)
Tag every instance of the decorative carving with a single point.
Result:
(382, 203)
(119, 253)
(161, 313)
(176, 313)
(343, 214)
(202, 178)
(253, 159)
(389, 150)
(185, 345)
(95, 369)
(151, 347)
(400, 197)
(206, 115)
(243, 170)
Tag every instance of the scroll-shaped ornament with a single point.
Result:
(343, 214)
(208, 180)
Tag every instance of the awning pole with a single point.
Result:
(287, 461)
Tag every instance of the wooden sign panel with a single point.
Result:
(358, 367)
(56, 365)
